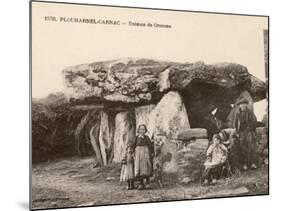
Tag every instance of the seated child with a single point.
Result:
(127, 170)
(216, 158)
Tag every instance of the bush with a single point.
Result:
(53, 127)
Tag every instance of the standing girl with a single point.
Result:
(143, 157)
(127, 171)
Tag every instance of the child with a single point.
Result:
(158, 171)
(216, 157)
(225, 135)
(157, 162)
(127, 171)
(143, 157)
(234, 152)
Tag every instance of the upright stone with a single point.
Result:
(169, 116)
(166, 119)
(191, 158)
(261, 139)
(193, 144)
(106, 136)
(142, 115)
(125, 129)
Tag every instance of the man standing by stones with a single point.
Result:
(245, 123)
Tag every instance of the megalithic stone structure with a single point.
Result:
(166, 96)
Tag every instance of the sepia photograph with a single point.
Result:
(136, 105)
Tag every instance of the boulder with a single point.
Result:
(170, 158)
(257, 88)
(145, 80)
(125, 80)
(187, 134)
(169, 116)
(142, 115)
(124, 134)
(262, 139)
(165, 119)
(168, 121)
(191, 158)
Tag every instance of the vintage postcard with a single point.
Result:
(134, 105)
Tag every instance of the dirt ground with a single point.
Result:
(74, 182)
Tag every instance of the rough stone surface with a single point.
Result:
(164, 120)
(168, 97)
(145, 80)
(142, 115)
(106, 136)
(90, 127)
(168, 116)
(187, 134)
(191, 157)
(262, 139)
(170, 158)
(125, 130)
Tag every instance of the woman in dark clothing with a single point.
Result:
(245, 123)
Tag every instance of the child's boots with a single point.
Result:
(130, 185)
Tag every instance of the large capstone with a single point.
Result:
(145, 81)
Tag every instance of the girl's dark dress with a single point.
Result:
(143, 153)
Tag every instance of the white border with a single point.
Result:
(15, 103)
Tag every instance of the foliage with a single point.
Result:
(53, 129)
